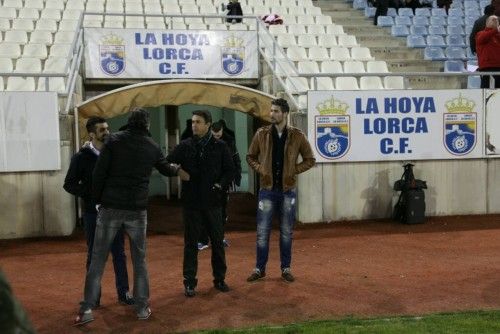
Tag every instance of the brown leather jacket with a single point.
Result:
(260, 158)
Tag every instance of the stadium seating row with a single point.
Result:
(297, 85)
(13, 50)
(33, 84)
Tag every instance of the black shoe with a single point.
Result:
(287, 275)
(126, 299)
(221, 286)
(256, 275)
(189, 291)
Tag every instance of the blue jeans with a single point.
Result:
(283, 204)
(117, 250)
(109, 223)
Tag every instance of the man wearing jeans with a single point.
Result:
(120, 188)
(273, 155)
(78, 182)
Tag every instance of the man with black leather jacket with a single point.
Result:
(211, 170)
(120, 188)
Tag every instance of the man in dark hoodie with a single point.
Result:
(78, 182)
(120, 185)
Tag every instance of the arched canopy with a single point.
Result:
(177, 92)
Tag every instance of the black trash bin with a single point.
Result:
(410, 208)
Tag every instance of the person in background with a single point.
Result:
(488, 51)
(219, 132)
(120, 184)
(479, 25)
(233, 9)
(78, 182)
(208, 163)
(188, 131)
(273, 154)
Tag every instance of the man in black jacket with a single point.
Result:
(78, 182)
(219, 132)
(479, 25)
(120, 188)
(210, 168)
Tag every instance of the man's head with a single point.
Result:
(489, 10)
(138, 119)
(97, 128)
(279, 111)
(201, 121)
(217, 130)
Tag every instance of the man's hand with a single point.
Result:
(183, 174)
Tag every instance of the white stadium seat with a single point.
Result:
(322, 83)
(327, 41)
(16, 36)
(318, 53)
(28, 65)
(10, 50)
(45, 24)
(376, 66)
(35, 50)
(55, 84)
(68, 25)
(297, 85)
(6, 65)
(55, 65)
(38, 4)
(340, 53)
(20, 84)
(41, 37)
(64, 37)
(53, 14)
(361, 53)
(346, 83)
(308, 67)
(60, 50)
(29, 13)
(23, 24)
(331, 66)
(306, 41)
(368, 83)
(395, 82)
(354, 66)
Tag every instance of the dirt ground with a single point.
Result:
(365, 268)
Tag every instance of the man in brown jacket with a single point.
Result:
(273, 154)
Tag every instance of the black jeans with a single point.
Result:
(203, 232)
(485, 79)
(117, 251)
(211, 219)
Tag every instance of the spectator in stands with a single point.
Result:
(13, 318)
(444, 4)
(413, 4)
(233, 9)
(273, 154)
(479, 25)
(227, 131)
(488, 51)
(120, 183)
(219, 132)
(211, 170)
(188, 131)
(78, 182)
(383, 6)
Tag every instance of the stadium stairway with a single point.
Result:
(384, 46)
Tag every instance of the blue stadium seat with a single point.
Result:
(470, 55)
(468, 30)
(399, 30)
(359, 4)
(455, 20)
(454, 66)
(469, 20)
(370, 11)
(455, 30)
(385, 21)
(392, 12)
(422, 12)
(437, 30)
(455, 52)
(415, 41)
(421, 20)
(455, 12)
(400, 20)
(455, 40)
(474, 81)
(405, 12)
(436, 40)
(438, 20)
(434, 53)
(438, 12)
(418, 30)
(472, 12)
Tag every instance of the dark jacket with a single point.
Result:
(479, 25)
(122, 172)
(208, 163)
(234, 9)
(234, 155)
(78, 179)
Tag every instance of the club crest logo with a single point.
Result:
(233, 55)
(460, 126)
(112, 54)
(332, 129)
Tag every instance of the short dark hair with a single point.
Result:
(489, 10)
(217, 126)
(92, 122)
(282, 103)
(205, 114)
(138, 119)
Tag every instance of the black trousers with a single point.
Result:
(203, 233)
(211, 220)
(485, 79)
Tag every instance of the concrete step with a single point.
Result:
(342, 14)
(408, 65)
(357, 21)
(437, 83)
(401, 52)
(333, 5)
(372, 41)
(368, 30)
